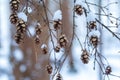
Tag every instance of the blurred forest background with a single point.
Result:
(18, 61)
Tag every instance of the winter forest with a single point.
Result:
(59, 39)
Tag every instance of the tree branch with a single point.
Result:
(108, 29)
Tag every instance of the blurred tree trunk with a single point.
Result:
(68, 29)
(33, 70)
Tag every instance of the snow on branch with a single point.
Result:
(57, 15)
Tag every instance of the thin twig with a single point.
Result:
(114, 75)
(36, 53)
(96, 5)
(108, 29)
(107, 15)
(79, 42)
(87, 5)
(110, 4)
(45, 10)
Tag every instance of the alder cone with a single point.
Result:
(21, 26)
(57, 24)
(13, 18)
(57, 48)
(14, 5)
(92, 24)
(108, 70)
(37, 40)
(38, 30)
(85, 57)
(59, 77)
(49, 69)
(19, 37)
(63, 41)
(94, 40)
(78, 9)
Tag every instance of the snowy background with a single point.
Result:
(110, 46)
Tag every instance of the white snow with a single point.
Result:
(57, 15)
(5, 33)
(78, 2)
(23, 16)
(83, 71)
(4, 77)
(38, 24)
(32, 30)
(18, 55)
(94, 33)
(91, 16)
(23, 68)
(5, 64)
(43, 46)
(81, 2)
(29, 9)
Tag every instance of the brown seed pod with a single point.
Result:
(85, 57)
(57, 48)
(37, 40)
(19, 37)
(57, 24)
(92, 24)
(14, 5)
(78, 9)
(13, 18)
(38, 29)
(21, 26)
(44, 49)
(94, 40)
(108, 70)
(49, 69)
(59, 77)
(63, 41)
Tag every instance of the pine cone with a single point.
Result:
(13, 18)
(19, 37)
(78, 9)
(14, 5)
(38, 29)
(108, 70)
(59, 77)
(63, 41)
(37, 40)
(94, 40)
(92, 24)
(44, 49)
(57, 24)
(57, 48)
(49, 69)
(21, 26)
(85, 57)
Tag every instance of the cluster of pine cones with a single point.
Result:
(18, 22)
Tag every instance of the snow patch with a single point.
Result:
(4, 77)
(32, 30)
(91, 17)
(43, 46)
(18, 55)
(81, 2)
(5, 64)
(23, 68)
(57, 15)
(94, 33)
(29, 9)
(38, 24)
(23, 16)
